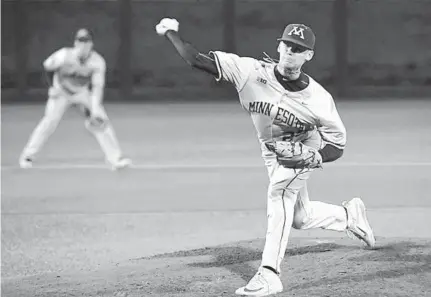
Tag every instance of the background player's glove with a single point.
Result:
(167, 24)
(295, 154)
(97, 117)
(94, 120)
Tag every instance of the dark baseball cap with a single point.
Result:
(299, 34)
(83, 35)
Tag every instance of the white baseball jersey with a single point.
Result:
(277, 112)
(72, 75)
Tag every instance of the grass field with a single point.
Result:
(189, 218)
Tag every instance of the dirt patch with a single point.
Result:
(397, 267)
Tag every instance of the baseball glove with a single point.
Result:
(295, 155)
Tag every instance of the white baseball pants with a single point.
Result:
(289, 206)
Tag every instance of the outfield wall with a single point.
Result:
(387, 43)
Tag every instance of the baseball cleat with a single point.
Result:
(357, 222)
(25, 163)
(263, 283)
(121, 164)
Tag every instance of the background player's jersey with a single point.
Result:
(71, 74)
(277, 112)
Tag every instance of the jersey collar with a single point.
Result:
(292, 85)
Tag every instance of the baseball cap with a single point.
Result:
(83, 35)
(299, 34)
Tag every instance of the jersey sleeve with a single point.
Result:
(55, 60)
(233, 68)
(331, 127)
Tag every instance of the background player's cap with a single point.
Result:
(83, 35)
(299, 34)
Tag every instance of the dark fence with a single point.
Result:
(361, 45)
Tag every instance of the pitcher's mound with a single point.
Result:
(332, 267)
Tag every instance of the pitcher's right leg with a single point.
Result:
(316, 214)
(349, 217)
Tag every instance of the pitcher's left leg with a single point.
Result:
(282, 194)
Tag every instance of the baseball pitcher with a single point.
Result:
(299, 130)
(77, 77)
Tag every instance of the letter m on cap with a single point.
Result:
(297, 31)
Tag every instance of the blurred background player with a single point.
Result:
(285, 105)
(77, 77)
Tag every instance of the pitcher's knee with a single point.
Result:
(300, 220)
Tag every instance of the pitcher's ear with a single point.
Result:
(310, 55)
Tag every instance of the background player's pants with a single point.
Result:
(289, 206)
(54, 111)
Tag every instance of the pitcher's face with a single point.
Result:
(292, 55)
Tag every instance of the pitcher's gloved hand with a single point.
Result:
(295, 155)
